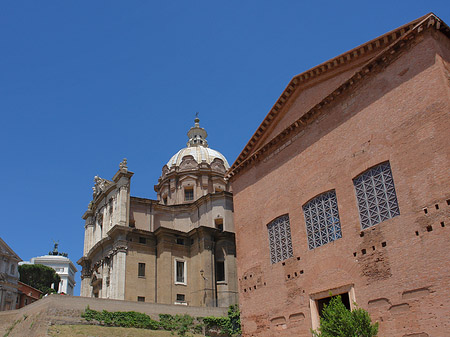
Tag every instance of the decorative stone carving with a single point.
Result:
(217, 165)
(123, 165)
(188, 163)
(120, 248)
(165, 170)
(100, 186)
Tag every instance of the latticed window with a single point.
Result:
(280, 241)
(375, 192)
(322, 219)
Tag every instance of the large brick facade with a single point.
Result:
(385, 102)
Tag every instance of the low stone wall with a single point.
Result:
(34, 319)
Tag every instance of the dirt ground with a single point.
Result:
(102, 331)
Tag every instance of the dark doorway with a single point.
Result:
(345, 300)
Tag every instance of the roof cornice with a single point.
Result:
(388, 45)
(186, 206)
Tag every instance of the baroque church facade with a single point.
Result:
(178, 249)
(344, 189)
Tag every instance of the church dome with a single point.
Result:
(197, 147)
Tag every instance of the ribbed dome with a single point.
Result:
(200, 154)
(197, 147)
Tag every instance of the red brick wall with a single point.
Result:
(401, 115)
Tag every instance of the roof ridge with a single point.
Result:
(402, 34)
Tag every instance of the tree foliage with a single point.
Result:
(40, 277)
(338, 321)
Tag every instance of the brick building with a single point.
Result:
(344, 188)
(27, 294)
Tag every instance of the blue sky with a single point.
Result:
(84, 84)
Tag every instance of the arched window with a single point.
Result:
(375, 193)
(280, 241)
(12, 269)
(322, 219)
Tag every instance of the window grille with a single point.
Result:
(280, 241)
(375, 193)
(322, 219)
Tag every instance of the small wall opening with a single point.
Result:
(218, 223)
(220, 271)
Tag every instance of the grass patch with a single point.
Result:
(104, 331)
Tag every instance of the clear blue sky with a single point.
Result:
(84, 84)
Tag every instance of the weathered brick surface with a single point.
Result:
(400, 115)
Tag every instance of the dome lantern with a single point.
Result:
(197, 135)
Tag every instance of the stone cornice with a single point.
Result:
(389, 45)
(122, 173)
(201, 170)
(122, 245)
(187, 206)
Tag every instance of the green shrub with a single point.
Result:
(128, 319)
(230, 325)
(181, 324)
(338, 321)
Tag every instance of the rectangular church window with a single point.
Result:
(180, 272)
(188, 194)
(220, 271)
(141, 269)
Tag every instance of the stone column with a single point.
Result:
(123, 205)
(118, 272)
(86, 277)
